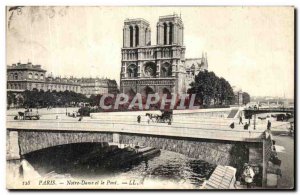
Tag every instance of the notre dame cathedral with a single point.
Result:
(160, 68)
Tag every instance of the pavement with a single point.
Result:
(286, 152)
(182, 126)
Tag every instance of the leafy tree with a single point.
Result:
(246, 98)
(36, 98)
(210, 89)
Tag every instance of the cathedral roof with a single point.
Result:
(195, 63)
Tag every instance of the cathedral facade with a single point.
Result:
(160, 68)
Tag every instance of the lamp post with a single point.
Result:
(254, 120)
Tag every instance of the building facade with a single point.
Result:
(238, 95)
(21, 77)
(95, 86)
(160, 68)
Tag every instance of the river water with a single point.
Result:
(168, 169)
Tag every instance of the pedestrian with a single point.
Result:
(246, 126)
(138, 118)
(248, 175)
(148, 119)
(80, 118)
(269, 125)
(231, 125)
(241, 120)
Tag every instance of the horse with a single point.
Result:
(21, 115)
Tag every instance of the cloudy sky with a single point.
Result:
(251, 47)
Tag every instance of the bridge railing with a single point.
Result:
(202, 132)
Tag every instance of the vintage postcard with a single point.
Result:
(150, 97)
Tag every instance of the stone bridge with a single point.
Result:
(210, 140)
(212, 145)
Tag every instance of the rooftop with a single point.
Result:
(136, 20)
(27, 66)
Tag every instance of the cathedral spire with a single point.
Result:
(202, 58)
(206, 63)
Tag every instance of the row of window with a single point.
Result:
(41, 86)
(166, 70)
(149, 54)
(168, 31)
(16, 76)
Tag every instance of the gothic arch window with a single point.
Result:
(42, 77)
(36, 76)
(166, 91)
(147, 90)
(131, 36)
(146, 33)
(132, 71)
(16, 76)
(171, 34)
(136, 35)
(165, 33)
(130, 92)
(166, 70)
(150, 69)
(30, 75)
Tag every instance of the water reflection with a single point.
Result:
(101, 161)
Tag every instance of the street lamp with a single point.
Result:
(254, 120)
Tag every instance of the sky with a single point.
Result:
(251, 47)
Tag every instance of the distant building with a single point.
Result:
(95, 86)
(21, 77)
(160, 68)
(62, 84)
(238, 95)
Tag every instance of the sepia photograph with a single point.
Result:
(150, 98)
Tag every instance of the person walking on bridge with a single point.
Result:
(269, 125)
(138, 118)
(241, 120)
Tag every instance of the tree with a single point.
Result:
(204, 87)
(246, 98)
(210, 89)
(11, 98)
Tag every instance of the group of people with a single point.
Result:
(148, 118)
(246, 126)
(154, 118)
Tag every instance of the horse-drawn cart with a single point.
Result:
(27, 115)
(165, 117)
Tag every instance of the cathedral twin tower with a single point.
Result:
(156, 68)
(137, 32)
